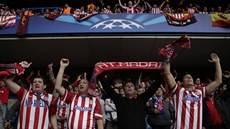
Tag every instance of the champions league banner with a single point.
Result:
(113, 23)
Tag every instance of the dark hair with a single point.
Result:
(38, 76)
(183, 74)
(66, 85)
(129, 80)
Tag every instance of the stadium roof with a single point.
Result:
(85, 51)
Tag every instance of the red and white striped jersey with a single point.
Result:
(189, 108)
(107, 11)
(130, 10)
(83, 111)
(35, 111)
(178, 15)
(191, 10)
(155, 10)
(62, 113)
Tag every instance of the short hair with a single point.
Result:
(129, 80)
(185, 73)
(38, 76)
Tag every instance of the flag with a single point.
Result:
(82, 17)
(22, 26)
(7, 21)
(221, 20)
(52, 16)
(180, 19)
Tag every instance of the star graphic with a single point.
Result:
(109, 26)
(124, 26)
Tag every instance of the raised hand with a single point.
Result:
(64, 62)
(226, 74)
(214, 58)
(50, 66)
(25, 64)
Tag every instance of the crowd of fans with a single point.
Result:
(135, 6)
(160, 112)
(112, 102)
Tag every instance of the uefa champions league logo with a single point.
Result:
(117, 23)
(112, 23)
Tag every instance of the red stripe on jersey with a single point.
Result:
(176, 100)
(81, 113)
(183, 113)
(130, 10)
(28, 110)
(200, 116)
(36, 116)
(44, 113)
(79, 109)
(34, 112)
(89, 124)
(155, 10)
(188, 107)
(62, 113)
(191, 116)
(72, 113)
(21, 114)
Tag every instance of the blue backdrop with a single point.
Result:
(115, 23)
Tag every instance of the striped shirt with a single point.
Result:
(62, 113)
(34, 111)
(83, 111)
(107, 11)
(130, 10)
(155, 10)
(188, 106)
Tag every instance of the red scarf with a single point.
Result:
(168, 52)
(9, 69)
(106, 66)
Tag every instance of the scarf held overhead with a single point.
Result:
(106, 66)
(9, 69)
(168, 52)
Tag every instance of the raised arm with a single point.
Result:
(153, 88)
(14, 87)
(137, 3)
(63, 64)
(168, 76)
(161, 5)
(107, 87)
(50, 73)
(121, 4)
(148, 5)
(218, 74)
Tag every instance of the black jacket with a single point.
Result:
(131, 112)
